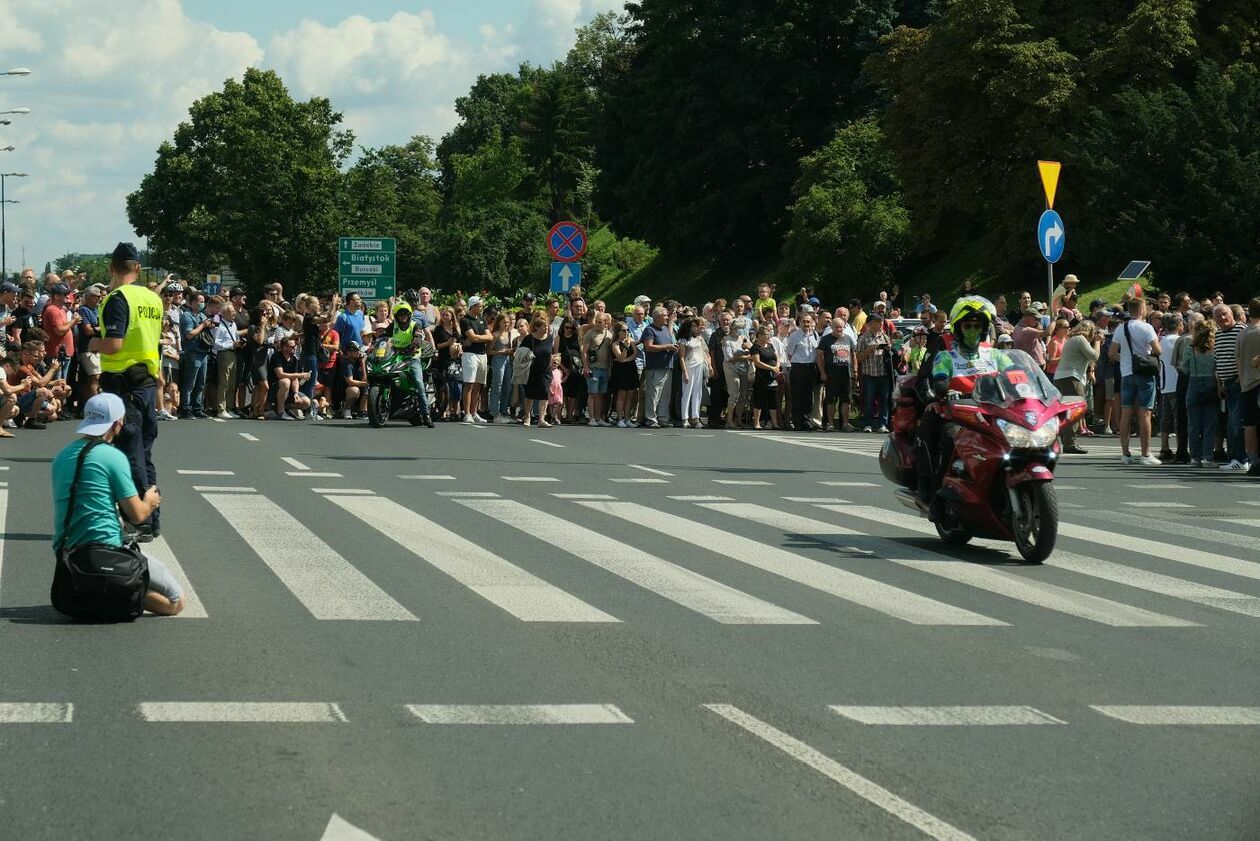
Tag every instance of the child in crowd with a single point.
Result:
(168, 394)
(555, 389)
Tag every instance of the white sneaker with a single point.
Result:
(1235, 464)
(281, 416)
(1126, 459)
(883, 430)
(10, 424)
(479, 419)
(468, 419)
(866, 429)
(315, 418)
(1148, 461)
(621, 424)
(503, 420)
(345, 414)
(225, 416)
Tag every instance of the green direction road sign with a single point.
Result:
(367, 265)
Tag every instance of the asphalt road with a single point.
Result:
(741, 637)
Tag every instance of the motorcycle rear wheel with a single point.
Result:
(952, 533)
(378, 406)
(1037, 526)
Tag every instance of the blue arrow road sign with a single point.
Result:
(1051, 236)
(564, 276)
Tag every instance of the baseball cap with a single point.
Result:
(59, 289)
(94, 289)
(529, 296)
(643, 299)
(474, 301)
(1005, 339)
(10, 287)
(126, 251)
(806, 308)
(814, 302)
(100, 413)
(353, 346)
(880, 305)
(1096, 303)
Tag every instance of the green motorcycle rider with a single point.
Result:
(406, 338)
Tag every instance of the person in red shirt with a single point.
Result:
(59, 324)
(330, 342)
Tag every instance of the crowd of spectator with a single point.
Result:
(751, 362)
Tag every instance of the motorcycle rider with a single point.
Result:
(406, 339)
(955, 369)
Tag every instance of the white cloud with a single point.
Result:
(112, 79)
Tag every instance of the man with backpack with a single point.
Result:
(98, 575)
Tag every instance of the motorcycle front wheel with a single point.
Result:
(1037, 526)
(378, 406)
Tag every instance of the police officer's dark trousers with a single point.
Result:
(140, 429)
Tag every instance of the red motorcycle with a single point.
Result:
(1000, 444)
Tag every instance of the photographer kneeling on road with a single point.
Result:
(104, 487)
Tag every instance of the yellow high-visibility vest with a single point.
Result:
(141, 344)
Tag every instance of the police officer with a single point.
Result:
(130, 330)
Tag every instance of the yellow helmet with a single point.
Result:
(971, 306)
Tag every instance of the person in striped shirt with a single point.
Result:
(1228, 332)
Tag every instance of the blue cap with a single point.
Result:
(126, 251)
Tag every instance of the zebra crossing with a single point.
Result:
(855, 554)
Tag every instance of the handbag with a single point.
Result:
(1146, 366)
(96, 582)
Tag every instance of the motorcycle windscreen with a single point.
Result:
(1022, 380)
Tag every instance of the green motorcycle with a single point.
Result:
(391, 393)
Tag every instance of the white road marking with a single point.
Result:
(206, 472)
(743, 482)
(160, 549)
(1149, 504)
(876, 595)
(4, 514)
(218, 420)
(816, 500)
(239, 712)
(294, 463)
(529, 478)
(947, 716)
(640, 481)
(468, 494)
(345, 491)
(3, 468)
(429, 477)
(1002, 583)
(849, 484)
(326, 584)
(1241, 521)
(1164, 552)
(1168, 487)
(650, 470)
(36, 713)
(496, 580)
(868, 790)
(312, 475)
(1182, 716)
(224, 489)
(519, 714)
(1177, 529)
(668, 580)
(702, 499)
(547, 443)
(248, 437)
(583, 496)
(339, 829)
(1059, 487)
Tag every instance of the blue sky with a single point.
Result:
(112, 78)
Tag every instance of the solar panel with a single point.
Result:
(1134, 270)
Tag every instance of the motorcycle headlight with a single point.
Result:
(1022, 438)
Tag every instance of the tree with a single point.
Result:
(718, 101)
(394, 191)
(1174, 175)
(849, 226)
(250, 179)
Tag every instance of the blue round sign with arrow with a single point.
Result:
(1051, 236)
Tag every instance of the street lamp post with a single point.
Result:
(17, 71)
(4, 253)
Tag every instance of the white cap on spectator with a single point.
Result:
(474, 301)
(100, 413)
(643, 299)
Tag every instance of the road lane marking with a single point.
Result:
(340, 829)
(1177, 529)
(1149, 504)
(225, 489)
(4, 515)
(496, 580)
(529, 478)
(981, 716)
(650, 470)
(583, 496)
(868, 790)
(640, 481)
(1168, 487)
(472, 494)
(744, 482)
(670, 581)
(1164, 552)
(345, 491)
(240, 712)
(326, 584)
(816, 500)
(311, 475)
(160, 549)
(547, 443)
(294, 463)
(515, 714)
(849, 484)
(429, 477)
(1182, 716)
(701, 499)
(999, 582)
(218, 420)
(206, 472)
(248, 437)
(876, 595)
(36, 713)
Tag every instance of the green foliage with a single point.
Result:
(850, 229)
(251, 179)
(1175, 175)
(96, 266)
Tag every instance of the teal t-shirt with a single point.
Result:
(105, 481)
